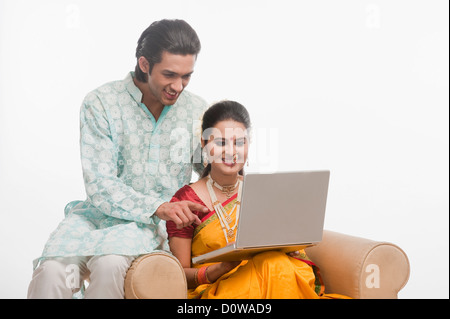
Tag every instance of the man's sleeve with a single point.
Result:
(99, 157)
(197, 161)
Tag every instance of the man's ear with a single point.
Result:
(144, 64)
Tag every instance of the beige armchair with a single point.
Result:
(352, 266)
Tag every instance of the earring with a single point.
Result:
(205, 158)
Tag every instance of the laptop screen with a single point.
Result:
(282, 208)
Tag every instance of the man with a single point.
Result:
(135, 135)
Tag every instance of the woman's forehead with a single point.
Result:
(227, 129)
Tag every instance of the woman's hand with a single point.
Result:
(294, 254)
(216, 271)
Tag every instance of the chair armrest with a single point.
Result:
(359, 267)
(156, 276)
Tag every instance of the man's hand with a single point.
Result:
(181, 213)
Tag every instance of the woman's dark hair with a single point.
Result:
(222, 111)
(173, 36)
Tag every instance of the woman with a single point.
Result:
(225, 143)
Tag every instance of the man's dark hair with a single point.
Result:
(173, 36)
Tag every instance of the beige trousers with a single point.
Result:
(60, 278)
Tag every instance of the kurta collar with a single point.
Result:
(132, 88)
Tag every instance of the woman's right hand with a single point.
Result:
(216, 271)
(230, 265)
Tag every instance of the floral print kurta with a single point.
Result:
(131, 165)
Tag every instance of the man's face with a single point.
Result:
(169, 77)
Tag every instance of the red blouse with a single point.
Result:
(185, 193)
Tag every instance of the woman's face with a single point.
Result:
(226, 146)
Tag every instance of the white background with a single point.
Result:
(357, 87)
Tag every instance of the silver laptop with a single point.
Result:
(279, 211)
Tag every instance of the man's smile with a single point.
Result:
(171, 95)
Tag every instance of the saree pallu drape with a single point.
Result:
(268, 275)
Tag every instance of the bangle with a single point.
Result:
(201, 276)
(196, 277)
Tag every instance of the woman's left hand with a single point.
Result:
(294, 253)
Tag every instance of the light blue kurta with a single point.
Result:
(131, 165)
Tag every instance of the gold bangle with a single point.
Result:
(196, 277)
(206, 275)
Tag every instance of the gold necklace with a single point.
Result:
(223, 216)
(226, 189)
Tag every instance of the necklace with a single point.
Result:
(227, 189)
(224, 217)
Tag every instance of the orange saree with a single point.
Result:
(268, 275)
